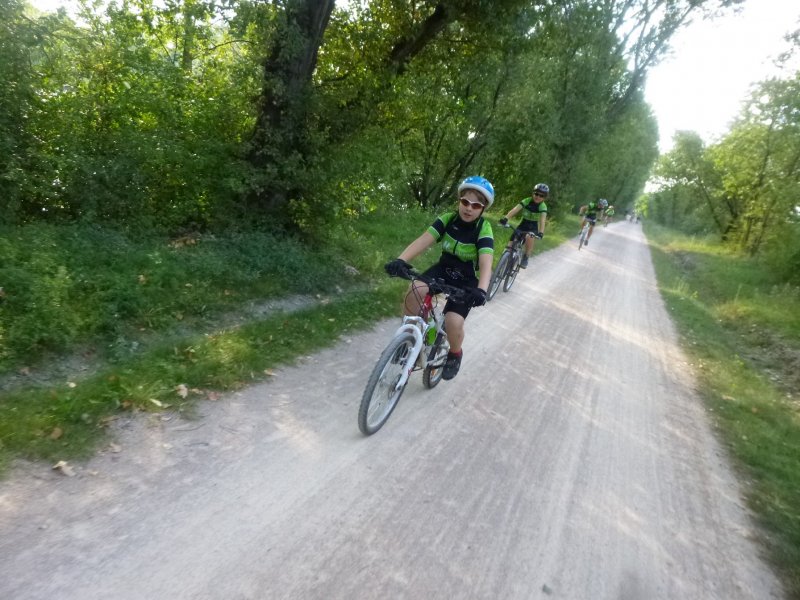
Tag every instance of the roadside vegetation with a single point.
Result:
(740, 323)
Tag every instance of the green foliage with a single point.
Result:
(745, 187)
(368, 242)
(782, 250)
(69, 285)
(130, 131)
(193, 115)
(18, 39)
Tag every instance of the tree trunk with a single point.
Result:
(279, 148)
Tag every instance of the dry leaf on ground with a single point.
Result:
(64, 468)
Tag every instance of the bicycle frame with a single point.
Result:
(419, 326)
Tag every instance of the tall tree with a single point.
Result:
(280, 147)
(18, 37)
(282, 151)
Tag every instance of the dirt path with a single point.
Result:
(569, 459)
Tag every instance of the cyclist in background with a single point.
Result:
(590, 213)
(534, 218)
(609, 216)
(466, 262)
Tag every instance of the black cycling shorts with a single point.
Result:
(528, 225)
(456, 278)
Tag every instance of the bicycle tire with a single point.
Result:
(513, 270)
(380, 398)
(582, 237)
(498, 276)
(432, 374)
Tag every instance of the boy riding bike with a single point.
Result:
(591, 211)
(466, 261)
(534, 217)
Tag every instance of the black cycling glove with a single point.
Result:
(398, 268)
(503, 221)
(476, 297)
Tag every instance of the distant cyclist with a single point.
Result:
(466, 261)
(609, 215)
(590, 212)
(534, 217)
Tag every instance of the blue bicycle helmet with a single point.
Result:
(480, 185)
(603, 202)
(542, 188)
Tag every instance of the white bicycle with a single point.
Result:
(419, 344)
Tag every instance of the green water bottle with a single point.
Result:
(430, 335)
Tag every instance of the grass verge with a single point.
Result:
(68, 421)
(741, 329)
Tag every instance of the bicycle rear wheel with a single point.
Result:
(381, 394)
(498, 275)
(513, 270)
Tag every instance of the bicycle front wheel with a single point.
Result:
(498, 275)
(582, 237)
(382, 392)
(513, 269)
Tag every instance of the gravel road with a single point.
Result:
(570, 458)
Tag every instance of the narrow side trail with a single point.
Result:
(569, 459)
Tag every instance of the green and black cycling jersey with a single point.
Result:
(531, 210)
(462, 242)
(592, 208)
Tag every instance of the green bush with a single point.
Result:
(77, 284)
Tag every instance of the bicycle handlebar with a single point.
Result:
(437, 285)
(535, 234)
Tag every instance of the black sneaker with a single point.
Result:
(451, 365)
(586, 242)
(523, 264)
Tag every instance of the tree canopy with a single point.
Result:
(744, 188)
(208, 113)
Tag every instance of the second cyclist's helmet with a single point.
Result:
(542, 188)
(603, 203)
(480, 185)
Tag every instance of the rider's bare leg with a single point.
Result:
(528, 246)
(454, 325)
(413, 302)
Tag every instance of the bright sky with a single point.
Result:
(713, 64)
(702, 86)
